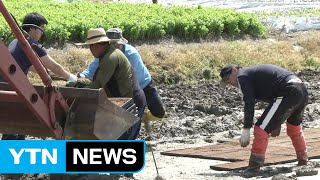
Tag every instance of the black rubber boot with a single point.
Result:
(256, 161)
(302, 158)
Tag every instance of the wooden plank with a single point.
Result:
(240, 165)
(280, 150)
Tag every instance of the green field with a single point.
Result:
(168, 61)
(71, 21)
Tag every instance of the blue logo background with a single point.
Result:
(7, 165)
(7, 160)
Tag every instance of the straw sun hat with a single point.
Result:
(96, 35)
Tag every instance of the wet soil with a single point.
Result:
(201, 114)
(204, 109)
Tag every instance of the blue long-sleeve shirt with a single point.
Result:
(139, 69)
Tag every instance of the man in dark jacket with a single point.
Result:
(287, 97)
(34, 24)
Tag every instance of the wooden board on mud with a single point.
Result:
(280, 150)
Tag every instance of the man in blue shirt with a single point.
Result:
(139, 70)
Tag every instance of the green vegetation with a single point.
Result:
(169, 62)
(71, 21)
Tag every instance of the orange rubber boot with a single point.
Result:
(298, 142)
(258, 151)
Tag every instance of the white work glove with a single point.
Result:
(80, 75)
(72, 78)
(245, 137)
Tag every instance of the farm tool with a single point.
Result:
(147, 117)
(63, 113)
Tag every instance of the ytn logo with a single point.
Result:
(33, 152)
(61, 156)
(32, 156)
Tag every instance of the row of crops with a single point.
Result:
(71, 21)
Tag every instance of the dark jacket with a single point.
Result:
(263, 82)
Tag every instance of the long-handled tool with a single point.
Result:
(147, 126)
(155, 164)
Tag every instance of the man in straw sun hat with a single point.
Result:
(114, 74)
(155, 106)
(287, 97)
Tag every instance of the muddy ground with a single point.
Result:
(201, 114)
(204, 109)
